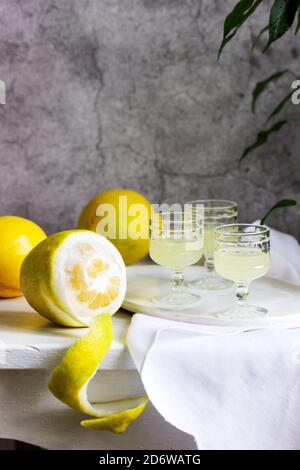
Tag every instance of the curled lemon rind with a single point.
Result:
(69, 381)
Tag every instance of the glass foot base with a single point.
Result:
(211, 282)
(178, 301)
(242, 312)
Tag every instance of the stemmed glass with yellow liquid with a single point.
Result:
(216, 212)
(242, 254)
(176, 241)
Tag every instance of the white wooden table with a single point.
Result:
(29, 347)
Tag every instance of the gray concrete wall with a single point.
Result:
(110, 93)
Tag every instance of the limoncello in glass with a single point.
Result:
(216, 212)
(176, 254)
(176, 241)
(209, 238)
(242, 254)
(242, 266)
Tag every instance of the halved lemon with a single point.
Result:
(74, 276)
(78, 278)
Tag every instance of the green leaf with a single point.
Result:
(261, 86)
(258, 37)
(280, 106)
(262, 138)
(298, 23)
(282, 16)
(279, 205)
(238, 15)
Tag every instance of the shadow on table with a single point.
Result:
(34, 323)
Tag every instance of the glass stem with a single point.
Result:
(209, 263)
(242, 294)
(177, 281)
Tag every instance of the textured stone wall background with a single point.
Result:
(109, 93)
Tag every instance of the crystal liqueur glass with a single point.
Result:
(176, 241)
(216, 212)
(242, 254)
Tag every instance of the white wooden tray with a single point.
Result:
(29, 341)
(146, 281)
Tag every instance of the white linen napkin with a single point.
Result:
(230, 387)
(285, 257)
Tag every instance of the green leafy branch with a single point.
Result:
(263, 85)
(236, 19)
(281, 19)
(262, 138)
(279, 205)
(263, 135)
(282, 16)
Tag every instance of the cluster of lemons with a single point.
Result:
(77, 278)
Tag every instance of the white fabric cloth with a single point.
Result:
(229, 387)
(285, 257)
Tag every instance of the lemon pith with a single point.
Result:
(70, 379)
(74, 276)
(78, 278)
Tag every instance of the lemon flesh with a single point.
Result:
(69, 381)
(17, 238)
(74, 276)
(129, 221)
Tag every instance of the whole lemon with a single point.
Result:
(122, 216)
(17, 238)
